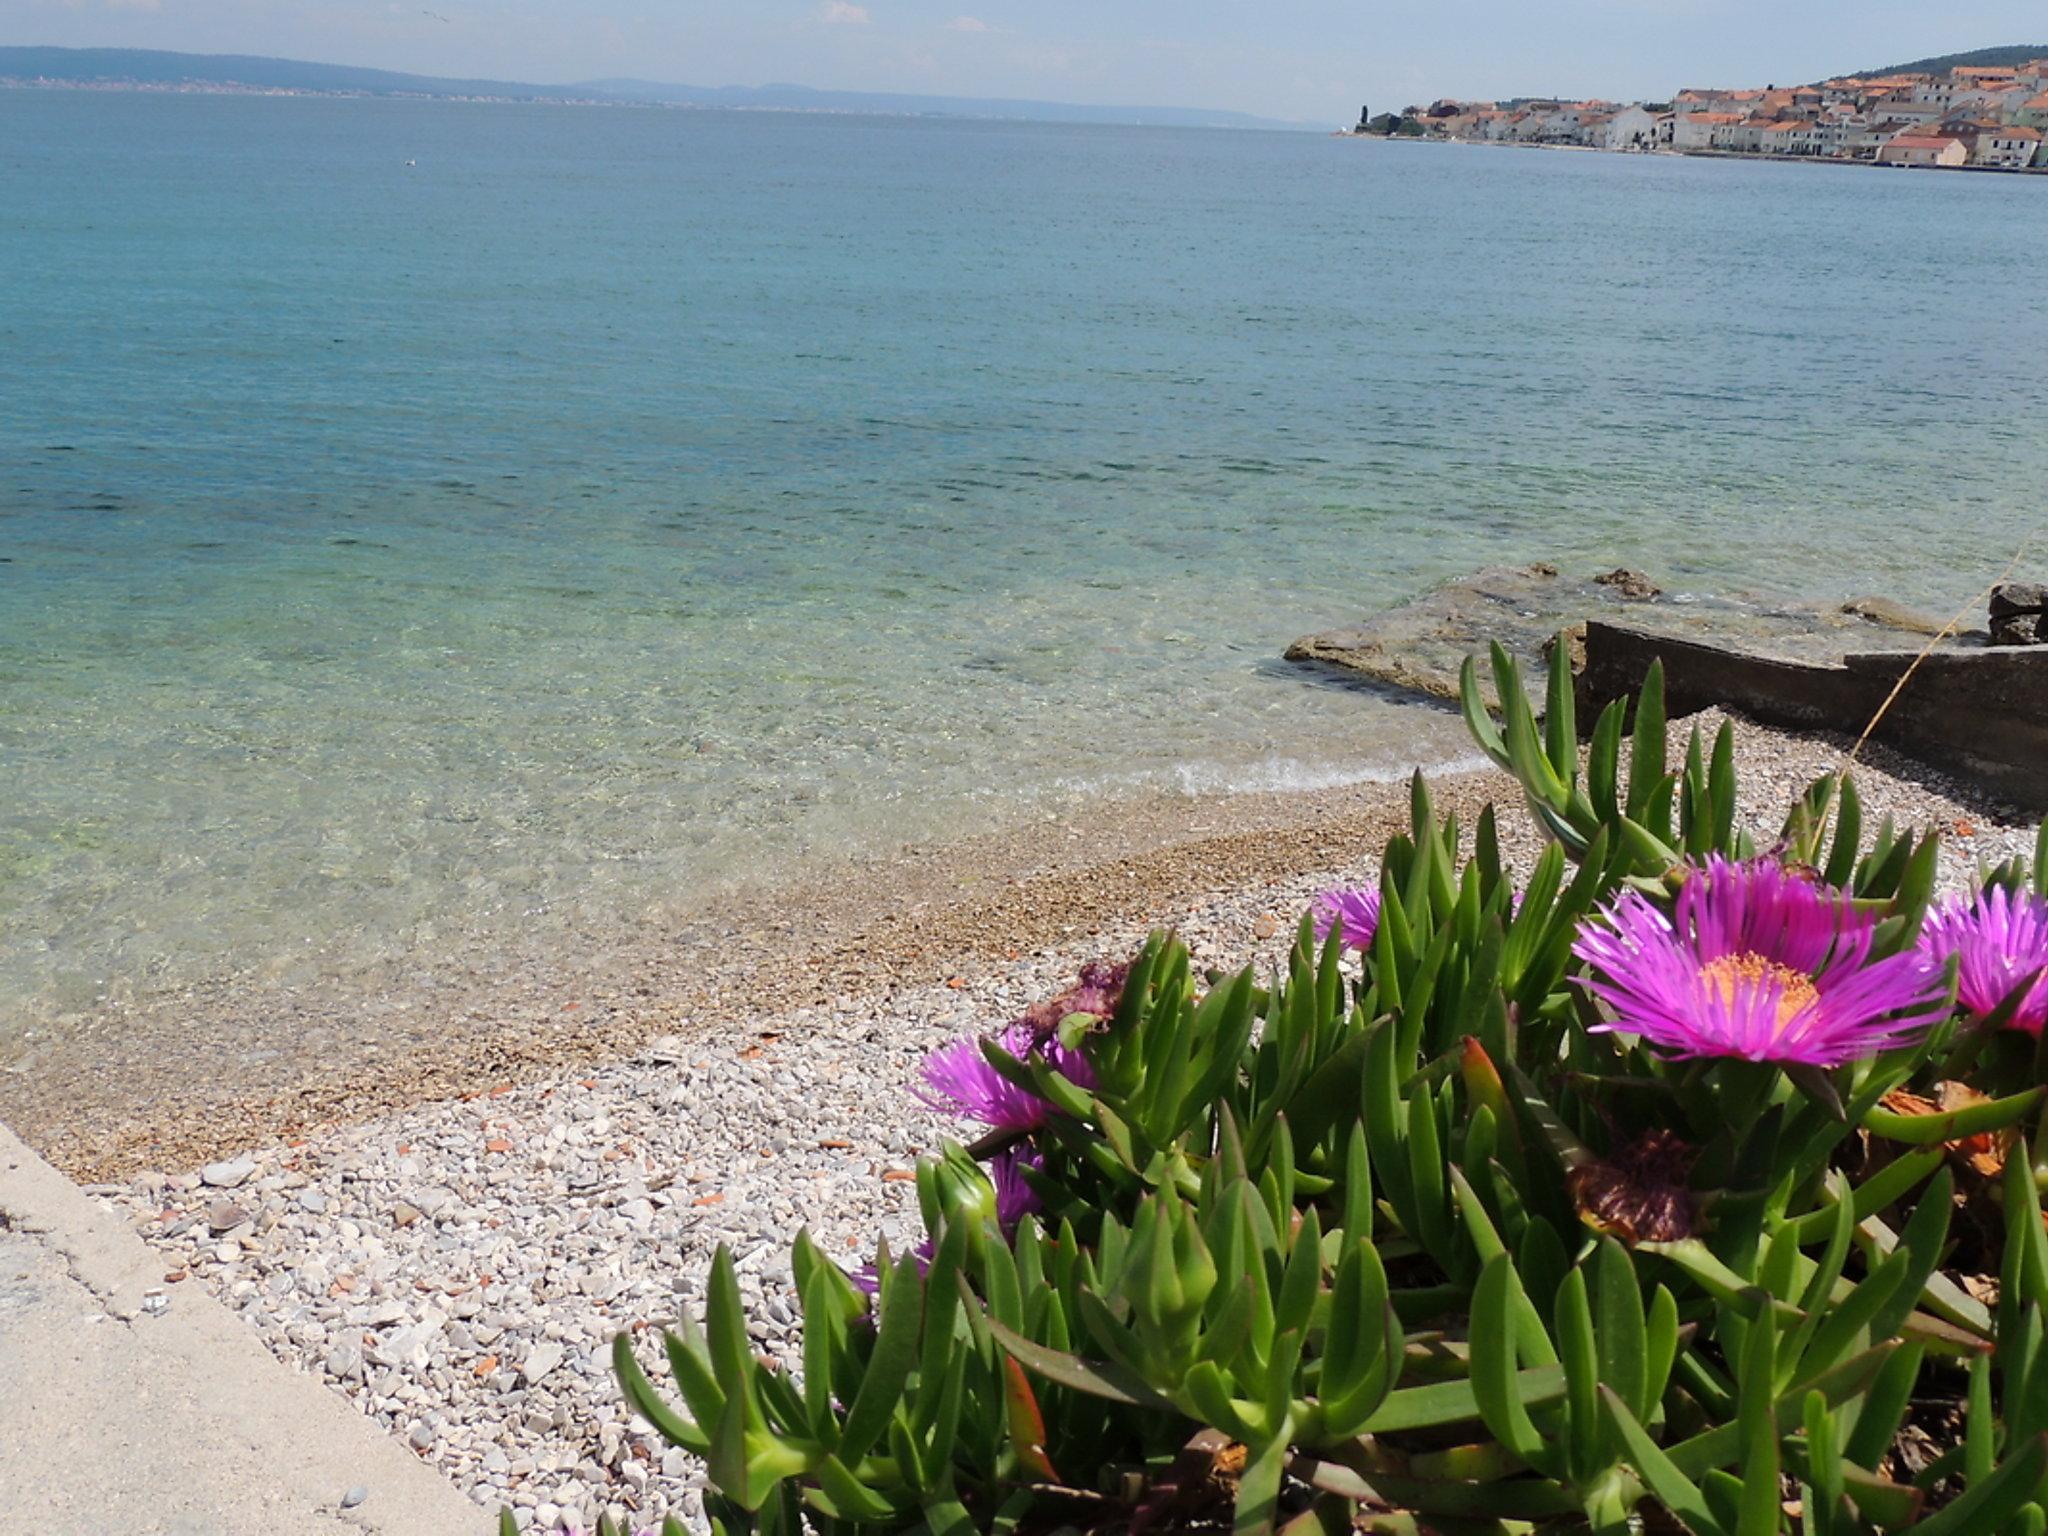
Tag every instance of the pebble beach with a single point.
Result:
(458, 1268)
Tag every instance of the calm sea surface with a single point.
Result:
(615, 503)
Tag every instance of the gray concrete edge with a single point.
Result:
(142, 1380)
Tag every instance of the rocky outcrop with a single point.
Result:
(2019, 614)
(1979, 714)
(1419, 646)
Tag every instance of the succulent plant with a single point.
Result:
(1459, 1231)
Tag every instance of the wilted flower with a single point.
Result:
(1353, 911)
(1097, 991)
(2000, 940)
(1757, 963)
(1640, 1194)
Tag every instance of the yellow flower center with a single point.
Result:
(1735, 975)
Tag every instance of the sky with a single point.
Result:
(1310, 60)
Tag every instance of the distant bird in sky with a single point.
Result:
(435, 14)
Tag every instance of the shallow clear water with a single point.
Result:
(619, 502)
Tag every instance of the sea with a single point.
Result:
(432, 522)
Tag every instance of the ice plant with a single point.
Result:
(1014, 1200)
(2000, 940)
(959, 1077)
(1276, 1177)
(1352, 911)
(1759, 963)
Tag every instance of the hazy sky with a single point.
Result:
(1310, 59)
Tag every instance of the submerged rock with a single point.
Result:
(1630, 584)
(1883, 611)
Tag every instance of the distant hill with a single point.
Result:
(1983, 58)
(148, 66)
(153, 69)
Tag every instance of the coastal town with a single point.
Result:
(1968, 117)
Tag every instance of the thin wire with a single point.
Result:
(1941, 634)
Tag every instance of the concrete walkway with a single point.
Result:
(128, 1406)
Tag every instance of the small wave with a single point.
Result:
(1284, 775)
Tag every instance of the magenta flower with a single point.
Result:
(1015, 1198)
(1354, 911)
(1756, 963)
(2000, 940)
(960, 1078)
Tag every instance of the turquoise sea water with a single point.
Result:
(615, 503)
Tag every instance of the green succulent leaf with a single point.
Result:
(1096, 1378)
(1957, 1124)
(1673, 1488)
(881, 1386)
(648, 1403)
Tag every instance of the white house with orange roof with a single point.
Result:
(1692, 131)
(1943, 90)
(1913, 149)
(1630, 128)
(1788, 136)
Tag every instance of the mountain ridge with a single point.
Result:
(149, 68)
(1942, 63)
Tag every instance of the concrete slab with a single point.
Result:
(129, 1407)
(1979, 716)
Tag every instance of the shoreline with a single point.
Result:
(182, 1078)
(177, 1080)
(1687, 154)
(174, 1080)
